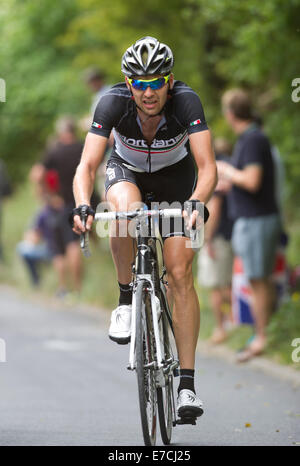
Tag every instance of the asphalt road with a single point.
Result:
(65, 383)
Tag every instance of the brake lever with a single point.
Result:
(196, 234)
(84, 240)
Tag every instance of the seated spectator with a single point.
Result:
(34, 250)
(41, 243)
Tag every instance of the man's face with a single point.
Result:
(151, 101)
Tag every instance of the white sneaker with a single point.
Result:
(120, 324)
(188, 404)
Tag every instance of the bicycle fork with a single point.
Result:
(159, 363)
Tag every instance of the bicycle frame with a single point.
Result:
(146, 247)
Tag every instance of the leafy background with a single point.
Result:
(45, 46)
(218, 44)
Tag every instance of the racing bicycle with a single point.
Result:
(152, 353)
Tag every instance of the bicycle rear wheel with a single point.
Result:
(165, 394)
(145, 364)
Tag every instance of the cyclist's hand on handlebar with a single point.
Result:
(190, 219)
(81, 215)
(193, 210)
(79, 227)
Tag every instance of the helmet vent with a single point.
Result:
(144, 56)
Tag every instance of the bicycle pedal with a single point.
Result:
(186, 420)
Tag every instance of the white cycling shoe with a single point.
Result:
(188, 404)
(120, 324)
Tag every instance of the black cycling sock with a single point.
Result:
(125, 294)
(186, 380)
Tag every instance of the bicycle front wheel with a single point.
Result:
(165, 394)
(145, 364)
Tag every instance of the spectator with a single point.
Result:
(95, 80)
(253, 208)
(33, 249)
(5, 190)
(57, 171)
(41, 242)
(279, 184)
(215, 258)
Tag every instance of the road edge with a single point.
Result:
(285, 373)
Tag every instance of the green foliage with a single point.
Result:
(217, 44)
(256, 45)
(283, 329)
(40, 84)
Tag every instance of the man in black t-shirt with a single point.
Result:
(160, 135)
(252, 206)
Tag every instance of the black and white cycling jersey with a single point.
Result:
(182, 115)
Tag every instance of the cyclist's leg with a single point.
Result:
(121, 192)
(122, 196)
(186, 312)
(186, 320)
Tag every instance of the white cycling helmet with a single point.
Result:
(147, 56)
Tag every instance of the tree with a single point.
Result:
(217, 45)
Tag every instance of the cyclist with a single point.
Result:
(162, 146)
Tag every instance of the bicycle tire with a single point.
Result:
(145, 354)
(165, 394)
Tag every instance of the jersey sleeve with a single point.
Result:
(191, 112)
(105, 116)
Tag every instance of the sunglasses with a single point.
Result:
(142, 84)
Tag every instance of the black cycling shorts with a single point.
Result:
(171, 184)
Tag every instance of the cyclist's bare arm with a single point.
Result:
(84, 180)
(201, 147)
